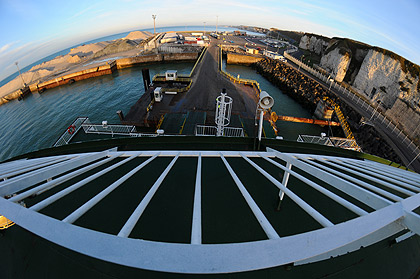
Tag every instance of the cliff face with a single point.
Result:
(382, 76)
(336, 63)
(314, 43)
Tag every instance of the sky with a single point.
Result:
(33, 29)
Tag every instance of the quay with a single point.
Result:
(180, 113)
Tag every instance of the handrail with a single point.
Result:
(343, 122)
(66, 137)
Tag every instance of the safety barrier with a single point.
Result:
(70, 132)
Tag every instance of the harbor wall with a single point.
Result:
(242, 59)
(131, 61)
(106, 69)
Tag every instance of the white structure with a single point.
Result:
(390, 193)
(223, 110)
(273, 55)
(158, 94)
(171, 75)
(265, 103)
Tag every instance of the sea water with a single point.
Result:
(37, 121)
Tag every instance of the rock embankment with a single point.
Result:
(308, 93)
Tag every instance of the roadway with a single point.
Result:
(402, 149)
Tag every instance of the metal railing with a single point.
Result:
(391, 194)
(315, 139)
(70, 132)
(376, 115)
(203, 130)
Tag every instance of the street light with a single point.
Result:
(301, 61)
(204, 33)
(20, 74)
(217, 21)
(154, 25)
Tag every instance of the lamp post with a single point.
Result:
(20, 74)
(301, 61)
(204, 33)
(217, 21)
(154, 25)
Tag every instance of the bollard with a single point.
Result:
(120, 115)
(146, 78)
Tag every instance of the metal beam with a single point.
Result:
(79, 184)
(367, 197)
(321, 189)
(306, 207)
(196, 220)
(135, 216)
(355, 180)
(51, 184)
(359, 173)
(24, 181)
(88, 205)
(259, 215)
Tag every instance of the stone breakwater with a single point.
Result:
(308, 93)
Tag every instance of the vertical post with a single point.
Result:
(217, 21)
(260, 128)
(284, 182)
(154, 25)
(20, 74)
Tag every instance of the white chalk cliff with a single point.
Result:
(313, 43)
(336, 64)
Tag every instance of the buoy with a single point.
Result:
(71, 129)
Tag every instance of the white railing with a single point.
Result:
(391, 194)
(376, 116)
(315, 139)
(71, 131)
(202, 130)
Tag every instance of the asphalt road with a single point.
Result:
(207, 84)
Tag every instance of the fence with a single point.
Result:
(376, 116)
(71, 131)
(202, 130)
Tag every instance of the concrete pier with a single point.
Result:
(207, 83)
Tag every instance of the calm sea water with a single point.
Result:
(40, 119)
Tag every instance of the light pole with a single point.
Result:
(154, 25)
(20, 74)
(204, 33)
(301, 61)
(217, 21)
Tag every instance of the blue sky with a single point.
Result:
(33, 29)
